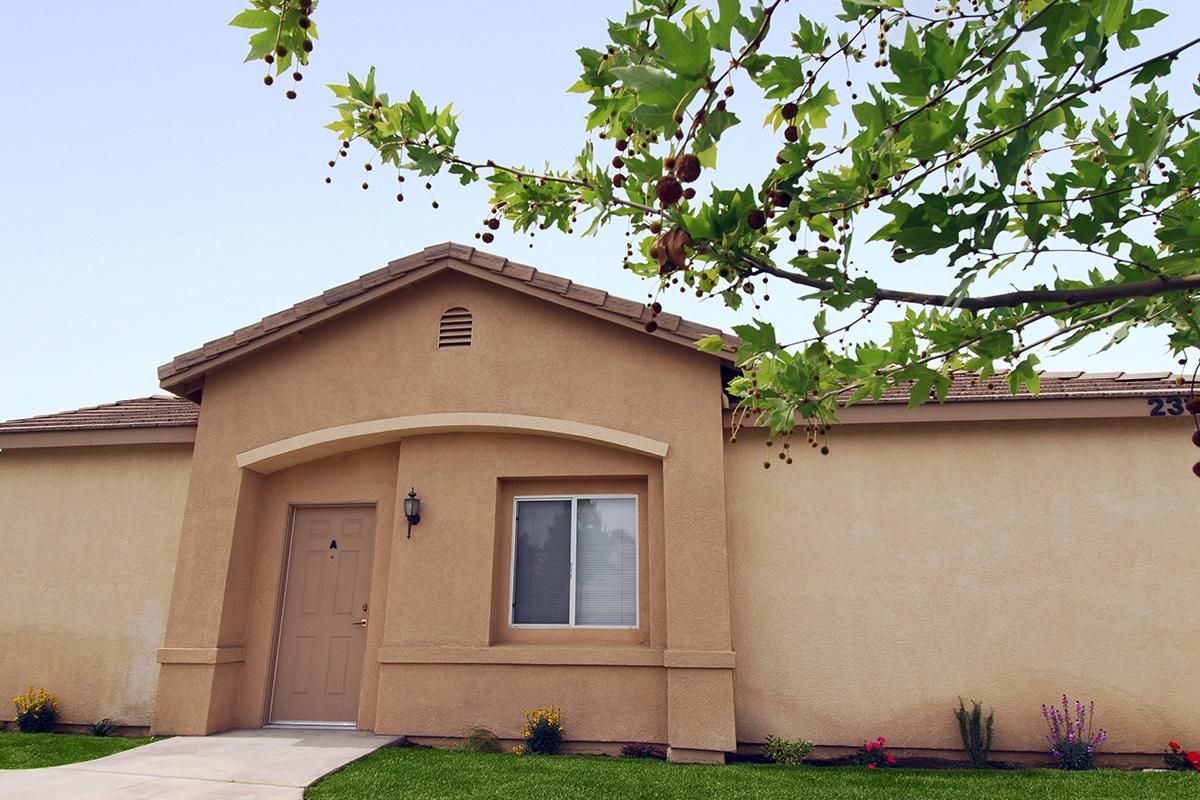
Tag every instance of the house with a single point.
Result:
(588, 535)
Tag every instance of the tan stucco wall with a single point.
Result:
(1005, 561)
(89, 537)
(529, 357)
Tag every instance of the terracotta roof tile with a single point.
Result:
(436, 251)
(668, 322)
(545, 280)
(586, 294)
(344, 292)
(403, 265)
(1144, 376)
(522, 272)
(309, 306)
(626, 308)
(248, 332)
(488, 261)
(278, 320)
(460, 251)
(143, 412)
(218, 346)
(1054, 386)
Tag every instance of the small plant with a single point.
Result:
(1072, 741)
(36, 710)
(542, 732)
(976, 733)
(874, 755)
(1181, 760)
(787, 751)
(480, 740)
(643, 750)
(104, 727)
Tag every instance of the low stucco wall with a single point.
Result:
(1009, 562)
(89, 537)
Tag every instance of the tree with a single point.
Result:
(977, 143)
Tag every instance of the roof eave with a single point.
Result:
(90, 437)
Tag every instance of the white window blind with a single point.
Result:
(606, 562)
(575, 561)
(542, 567)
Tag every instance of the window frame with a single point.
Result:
(637, 561)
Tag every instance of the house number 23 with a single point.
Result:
(1162, 406)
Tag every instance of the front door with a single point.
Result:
(322, 631)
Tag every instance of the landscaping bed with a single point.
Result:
(30, 750)
(419, 773)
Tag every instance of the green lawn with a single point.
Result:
(395, 773)
(28, 750)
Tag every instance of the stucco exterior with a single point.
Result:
(89, 536)
(1003, 550)
(1007, 561)
(530, 359)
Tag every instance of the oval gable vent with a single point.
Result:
(455, 328)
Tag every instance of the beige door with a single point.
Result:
(322, 637)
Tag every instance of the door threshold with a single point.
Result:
(311, 725)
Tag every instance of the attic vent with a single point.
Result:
(455, 328)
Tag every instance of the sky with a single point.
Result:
(155, 195)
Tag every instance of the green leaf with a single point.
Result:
(255, 18)
(1114, 14)
(719, 33)
(654, 86)
(1025, 374)
(711, 344)
(686, 53)
(1155, 69)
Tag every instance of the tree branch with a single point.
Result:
(1088, 295)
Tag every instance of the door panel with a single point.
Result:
(321, 648)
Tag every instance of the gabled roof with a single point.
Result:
(184, 374)
(156, 411)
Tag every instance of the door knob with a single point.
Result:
(362, 623)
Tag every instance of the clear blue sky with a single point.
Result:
(155, 195)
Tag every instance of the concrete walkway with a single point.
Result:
(268, 764)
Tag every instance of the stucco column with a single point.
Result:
(200, 661)
(700, 719)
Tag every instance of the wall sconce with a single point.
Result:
(412, 510)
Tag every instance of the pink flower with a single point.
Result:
(892, 760)
(1173, 745)
(870, 766)
(881, 740)
(871, 746)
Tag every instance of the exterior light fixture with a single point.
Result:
(412, 510)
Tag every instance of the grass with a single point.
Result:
(423, 774)
(29, 750)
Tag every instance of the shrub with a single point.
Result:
(873, 755)
(787, 751)
(1181, 760)
(643, 750)
(480, 740)
(1072, 741)
(104, 727)
(542, 732)
(36, 710)
(975, 732)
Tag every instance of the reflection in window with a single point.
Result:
(575, 561)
